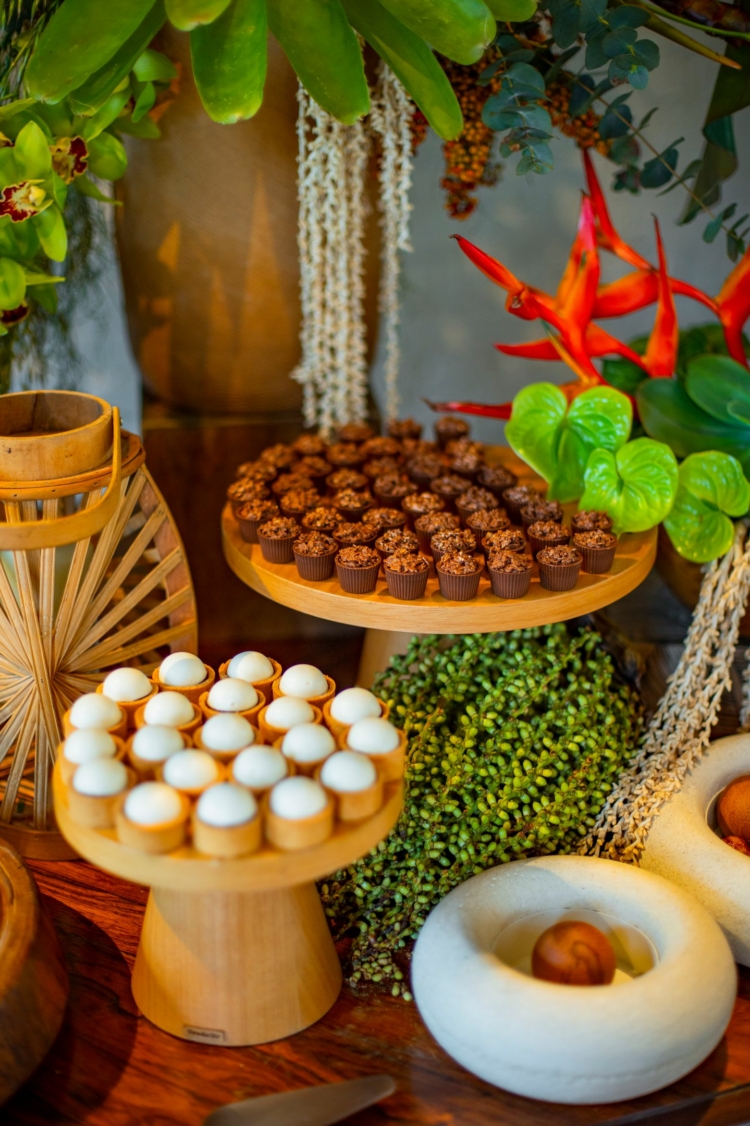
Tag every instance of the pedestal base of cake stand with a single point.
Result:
(377, 649)
(235, 968)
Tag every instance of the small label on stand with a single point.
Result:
(205, 1035)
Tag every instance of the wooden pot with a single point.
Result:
(685, 578)
(33, 981)
(51, 434)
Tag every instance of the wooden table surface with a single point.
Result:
(110, 1067)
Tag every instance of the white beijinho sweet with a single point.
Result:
(287, 711)
(348, 772)
(95, 710)
(169, 709)
(100, 778)
(182, 670)
(152, 803)
(156, 743)
(259, 767)
(232, 695)
(304, 681)
(126, 685)
(297, 798)
(225, 805)
(373, 737)
(190, 770)
(354, 704)
(227, 733)
(250, 666)
(87, 744)
(308, 742)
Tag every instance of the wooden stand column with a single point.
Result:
(378, 648)
(235, 967)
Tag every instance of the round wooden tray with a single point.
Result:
(188, 870)
(433, 613)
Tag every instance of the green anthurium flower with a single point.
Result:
(12, 284)
(636, 485)
(556, 439)
(712, 487)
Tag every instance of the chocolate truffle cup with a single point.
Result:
(425, 538)
(354, 515)
(458, 588)
(510, 506)
(465, 512)
(527, 518)
(575, 527)
(536, 545)
(398, 524)
(367, 538)
(509, 584)
(406, 587)
(249, 528)
(278, 550)
(557, 576)
(389, 500)
(596, 560)
(485, 480)
(316, 568)
(357, 580)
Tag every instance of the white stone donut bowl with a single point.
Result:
(682, 846)
(563, 1043)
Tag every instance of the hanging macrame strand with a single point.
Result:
(678, 735)
(391, 117)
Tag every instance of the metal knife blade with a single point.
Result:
(309, 1106)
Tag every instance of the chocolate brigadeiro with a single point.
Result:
(382, 518)
(298, 501)
(419, 504)
(510, 573)
(516, 497)
(504, 539)
(487, 520)
(395, 539)
(445, 543)
(467, 463)
(449, 427)
(314, 554)
(495, 478)
(598, 550)
(309, 445)
(251, 514)
(357, 569)
(280, 455)
(347, 534)
(392, 488)
(321, 519)
(541, 510)
(256, 471)
(426, 526)
(458, 574)
(404, 428)
(316, 467)
(286, 482)
(591, 520)
(559, 567)
(239, 492)
(344, 455)
(276, 537)
(346, 479)
(406, 574)
(381, 467)
(381, 446)
(475, 499)
(415, 447)
(449, 486)
(351, 504)
(547, 533)
(355, 432)
(425, 467)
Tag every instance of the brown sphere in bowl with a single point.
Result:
(573, 953)
(737, 844)
(733, 808)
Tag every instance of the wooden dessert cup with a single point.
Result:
(95, 812)
(315, 701)
(192, 691)
(69, 768)
(227, 842)
(187, 730)
(130, 707)
(306, 832)
(262, 687)
(341, 730)
(270, 734)
(224, 757)
(355, 806)
(234, 951)
(146, 768)
(391, 765)
(165, 836)
(250, 714)
(119, 731)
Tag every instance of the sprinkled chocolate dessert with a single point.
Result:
(381, 467)
(251, 514)
(404, 563)
(244, 490)
(546, 533)
(449, 486)
(449, 427)
(286, 482)
(297, 501)
(321, 519)
(458, 563)
(561, 556)
(279, 455)
(436, 522)
(417, 504)
(357, 569)
(598, 550)
(509, 562)
(396, 540)
(347, 533)
(559, 567)
(313, 466)
(256, 471)
(414, 447)
(474, 499)
(517, 497)
(345, 479)
(404, 428)
(425, 467)
(466, 462)
(358, 557)
(384, 518)
(344, 455)
(393, 486)
(495, 478)
(505, 539)
(541, 510)
(355, 432)
(510, 574)
(351, 504)
(279, 528)
(314, 543)
(443, 543)
(381, 447)
(487, 520)
(276, 536)
(309, 445)
(591, 520)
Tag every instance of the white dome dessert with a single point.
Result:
(288, 711)
(348, 772)
(303, 681)
(152, 803)
(297, 798)
(87, 744)
(100, 778)
(354, 704)
(308, 742)
(126, 685)
(182, 670)
(227, 733)
(191, 770)
(259, 768)
(232, 695)
(225, 805)
(250, 666)
(95, 710)
(169, 709)
(373, 737)
(155, 743)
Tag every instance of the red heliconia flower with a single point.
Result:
(660, 358)
(21, 201)
(70, 157)
(733, 307)
(10, 317)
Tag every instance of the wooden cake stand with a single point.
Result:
(390, 622)
(233, 951)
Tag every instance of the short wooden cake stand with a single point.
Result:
(233, 951)
(391, 623)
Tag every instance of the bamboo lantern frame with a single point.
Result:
(93, 575)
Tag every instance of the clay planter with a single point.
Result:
(683, 846)
(563, 1043)
(685, 578)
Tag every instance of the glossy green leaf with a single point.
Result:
(187, 14)
(104, 117)
(324, 51)
(146, 128)
(459, 29)
(720, 386)
(89, 188)
(670, 415)
(712, 488)
(636, 485)
(12, 284)
(144, 102)
(32, 153)
(34, 278)
(556, 440)
(107, 157)
(50, 227)
(229, 61)
(153, 66)
(512, 11)
(59, 190)
(10, 109)
(95, 91)
(412, 61)
(79, 39)
(46, 295)
(9, 170)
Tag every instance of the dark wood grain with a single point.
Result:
(110, 1067)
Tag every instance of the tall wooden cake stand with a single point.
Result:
(390, 623)
(233, 951)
